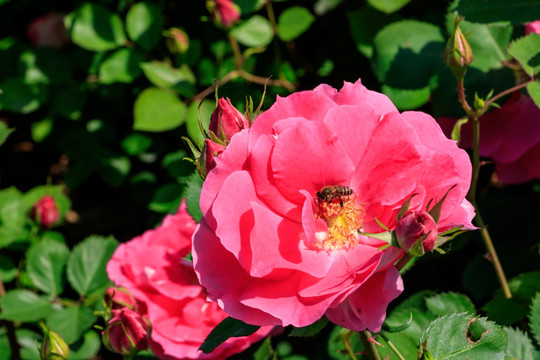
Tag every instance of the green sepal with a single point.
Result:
(397, 328)
(381, 224)
(456, 131)
(435, 211)
(384, 236)
(405, 207)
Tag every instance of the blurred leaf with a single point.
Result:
(24, 305)
(488, 43)
(71, 322)
(336, 346)
(461, 336)
(28, 341)
(534, 317)
(310, 330)
(19, 97)
(115, 168)
(293, 22)
(449, 303)
(176, 165)
(254, 32)
(144, 24)
(204, 111)
(123, 66)
(406, 53)
(45, 263)
(526, 51)
(85, 348)
(520, 347)
(56, 191)
(12, 215)
(86, 266)
(265, 351)
(407, 99)
(4, 132)
(166, 199)
(43, 65)
(8, 270)
(136, 143)
(41, 129)
(321, 7)
(249, 6)
(192, 193)
(96, 28)
(163, 75)
(517, 12)
(534, 91)
(68, 101)
(226, 329)
(388, 6)
(158, 110)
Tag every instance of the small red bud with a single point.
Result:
(414, 227)
(226, 120)
(225, 12)
(45, 212)
(127, 332)
(458, 54)
(177, 40)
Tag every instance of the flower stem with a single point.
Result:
(392, 346)
(503, 93)
(371, 348)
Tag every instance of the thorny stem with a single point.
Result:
(484, 233)
(392, 346)
(10, 330)
(371, 348)
(504, 93)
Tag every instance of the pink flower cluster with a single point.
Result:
(154, 269)
(510, 136)
(284, 209)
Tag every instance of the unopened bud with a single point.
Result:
(177, 41)
(457, 53)
(224, 12)
(45, 212)
(127, 332)
(117, 298)
(416, 232)
(226, 120)
(210, 151)
(53, 346)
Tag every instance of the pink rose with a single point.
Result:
(414, 226)
(533, 27)
(227, 13)
(45, 212)
(154, 269)
(48, 30)
(271, 251)
(510, 136)
(126, 332)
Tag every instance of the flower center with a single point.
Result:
(343, 217)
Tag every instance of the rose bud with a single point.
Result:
(45, 212)
(118, 297)
(457, 53)
(226, 120)
(48, 30)
(210, 151)
(416, 227)
(226, 13)
(127, 332)
(177, 41)
(53, 346)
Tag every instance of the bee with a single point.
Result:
(329, 193)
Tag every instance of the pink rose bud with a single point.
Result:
(458, 53)
(226, 13)
(126, 332)
(211, 150)
(226, 120)
(177, 41)
(533, 27)
(45, 212)
(414, 227)
(53, 346)
(48, 30)
(118, 297)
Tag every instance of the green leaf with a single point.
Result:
(526, 51)
(96, 28)
(41, 129)
(226, 329)
(364, 25)
(12, 215)
(144, 24)
(45, 265)
(249, 6)
(192, 123)
(71, 322)
(449, 303)
(4, 132)
(86, 266)
(407, 99)
(28, 339)
(407, 53)
(534, 317)
(115, 168)
(265, 351)
(163, 75)
(158, 110)
(8, 270)
(516, 12)
(17, 96)
(122, 66)
(69, 100)
(85, 348)
(166, 199)
(520, 347)
(388, 6)
(534, 91)
(293, 22)
(136, 143)
(254, 32)
(462, 336)
(321, 7)
(24, 305)
(176, 165)
(192, 193)
(310, 330)
(336, 343)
